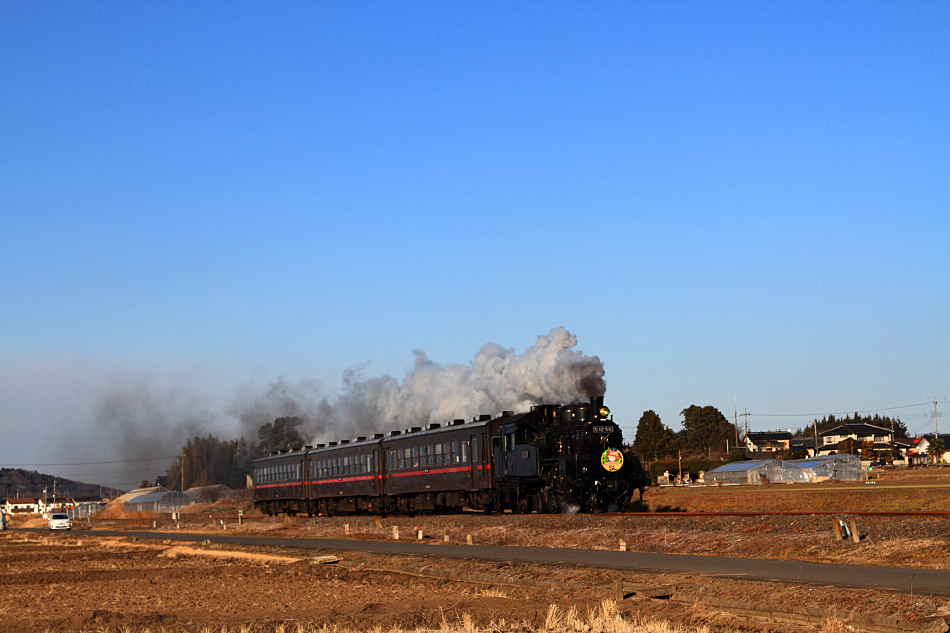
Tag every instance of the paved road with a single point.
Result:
(895, 579)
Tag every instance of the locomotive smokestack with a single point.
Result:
(596, 402)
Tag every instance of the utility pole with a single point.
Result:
(182, 469)
(745, 413)
(935, 418)
(735, 419)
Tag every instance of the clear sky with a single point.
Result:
(718, 199)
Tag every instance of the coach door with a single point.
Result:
(479, 468)
(374, 471)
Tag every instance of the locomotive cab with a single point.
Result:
(516, 455)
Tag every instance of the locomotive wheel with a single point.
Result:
(554, 502)
(522, 506)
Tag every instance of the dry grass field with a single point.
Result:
(71, 582)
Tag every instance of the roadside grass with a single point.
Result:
(120, 511)
(603, 618)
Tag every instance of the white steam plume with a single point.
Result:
(497, 379)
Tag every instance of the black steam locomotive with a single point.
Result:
(551, 459)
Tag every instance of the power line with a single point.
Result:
(124, 461)
(804, 415)
(113, 472)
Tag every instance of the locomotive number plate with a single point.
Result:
(607, 430)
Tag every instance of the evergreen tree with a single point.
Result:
(706, 428)
(653, 439)
(935, 449)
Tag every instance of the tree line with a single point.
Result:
(705, 430)
(829, 422)
(207, 461)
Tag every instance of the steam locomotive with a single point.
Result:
(551, 459)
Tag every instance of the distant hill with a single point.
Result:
(30, 483)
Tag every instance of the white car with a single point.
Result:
(60, 522)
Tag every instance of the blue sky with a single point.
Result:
(718, 199)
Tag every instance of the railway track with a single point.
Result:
(232, 517)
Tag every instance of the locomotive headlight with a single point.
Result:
(604, 412)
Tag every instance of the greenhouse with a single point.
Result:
(155, 499)
(778, 471)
